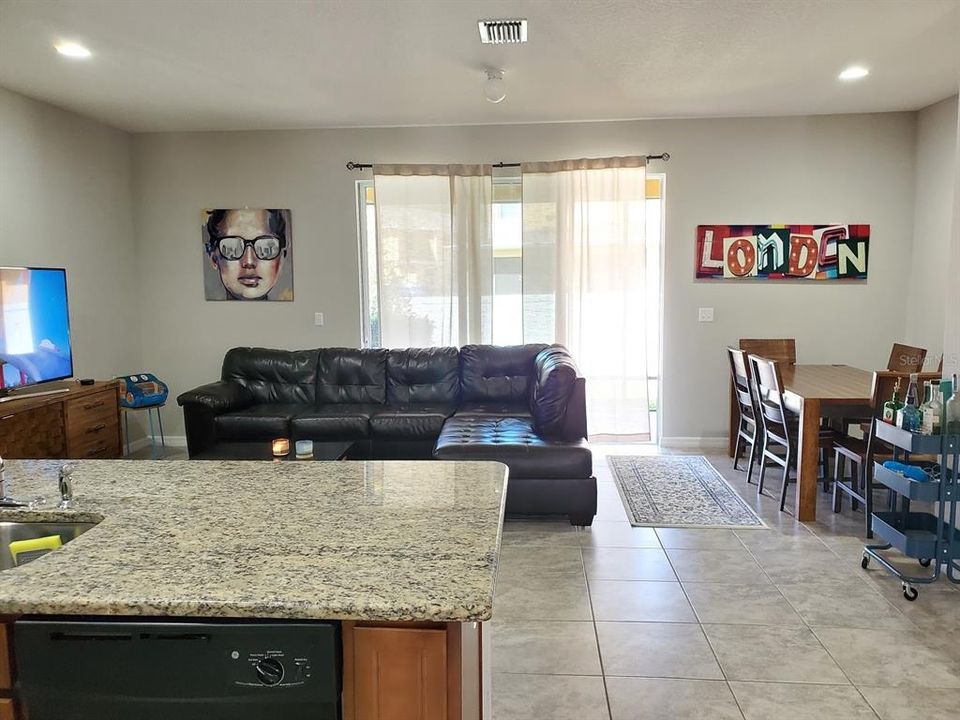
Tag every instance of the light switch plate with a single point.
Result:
(705, 315)
(318, 319)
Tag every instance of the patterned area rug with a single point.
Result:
(678, 491)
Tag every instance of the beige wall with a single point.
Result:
(933, 207)
(66, 201)
(852, 168)
(951, 340)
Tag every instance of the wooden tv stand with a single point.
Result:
(82, 422)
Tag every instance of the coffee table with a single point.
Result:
(260, 450)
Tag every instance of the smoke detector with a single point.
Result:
(502, 32)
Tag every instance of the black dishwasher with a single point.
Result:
(106, 669)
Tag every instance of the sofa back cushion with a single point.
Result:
(423, 375)
(352, 375)
(273, 376)
(497, 373)
(556, 376)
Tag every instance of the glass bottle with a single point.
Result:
(891, 406)
(952, 410)
(908, 417)
(931, 411)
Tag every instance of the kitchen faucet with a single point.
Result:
(6, 501)
(66, 487)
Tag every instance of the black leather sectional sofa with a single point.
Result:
(521, 405)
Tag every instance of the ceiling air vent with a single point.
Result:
(500, 32)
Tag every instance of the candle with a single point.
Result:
(305, 449)
(281, 447)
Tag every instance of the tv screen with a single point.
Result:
(34, 327)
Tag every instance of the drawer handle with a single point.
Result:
(96, 428)
(91, 406)
(96, 450)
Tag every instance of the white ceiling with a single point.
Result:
(252, 64)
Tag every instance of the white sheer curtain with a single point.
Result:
(951, 341)
(435, 253)
(584, 279)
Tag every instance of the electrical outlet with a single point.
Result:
(705, 315)
(318, 319)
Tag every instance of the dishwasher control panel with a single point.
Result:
(274, 667)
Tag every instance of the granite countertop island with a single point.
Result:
(388, 541)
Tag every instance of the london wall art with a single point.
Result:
(247, 254)
(782, 252)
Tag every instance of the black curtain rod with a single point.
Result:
(366, 166)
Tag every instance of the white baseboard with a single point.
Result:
(694, 443)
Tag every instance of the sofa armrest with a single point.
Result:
(575, 418)
(557, 399)
(218, 397)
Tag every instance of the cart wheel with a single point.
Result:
(925, 562)
(910, 592)
(865, 561)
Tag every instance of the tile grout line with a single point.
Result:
(703, 632)
(596, 633)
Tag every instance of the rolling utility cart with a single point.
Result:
(930, 537)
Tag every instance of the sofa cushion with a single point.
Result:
(410, 422)
(333, 421)
(423, 375)
(555, 378)
(497, 373)
(514, 442)
(257, 422)
(352, 375)
(273, 376)
(514, 408)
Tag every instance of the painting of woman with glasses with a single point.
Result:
(248, 254)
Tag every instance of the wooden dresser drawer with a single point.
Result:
(101, 439)
(85, 412)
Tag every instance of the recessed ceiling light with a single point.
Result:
(72, 50)
(854, 72)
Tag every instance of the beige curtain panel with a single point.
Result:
(585, 279)
(435, 254)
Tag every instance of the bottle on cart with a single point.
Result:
(931, 410)
(952, 410)
(893, 405)
(908, 416)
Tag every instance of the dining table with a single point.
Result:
(814, 392)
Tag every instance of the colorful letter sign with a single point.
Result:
(782, 252)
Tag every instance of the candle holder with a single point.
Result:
(304, 449)
(281, 447)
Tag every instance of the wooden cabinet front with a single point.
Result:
(83, 422)
(32, 432)
(401, 673)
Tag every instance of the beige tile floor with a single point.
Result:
(623, 623)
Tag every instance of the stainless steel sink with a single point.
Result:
(13, 531)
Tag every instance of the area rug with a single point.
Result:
(678, 491)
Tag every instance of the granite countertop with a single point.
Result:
(323, 540)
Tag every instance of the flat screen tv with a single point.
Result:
(34, 327)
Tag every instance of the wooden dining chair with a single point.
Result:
(748, 426)
(861, 453)
(783, 350)
(906, 358)
(780, 426)
(903, 359)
